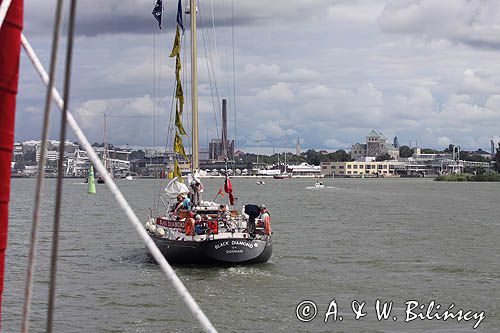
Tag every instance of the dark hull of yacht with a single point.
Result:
(233, 251)
(282, 176)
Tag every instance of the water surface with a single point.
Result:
(388, 239)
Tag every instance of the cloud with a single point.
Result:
(276, 73)
(334, 143)
(134, 16)
(327, 71)
(477, 82)
(470, 22)
(129, 119)
(315, 91)
(356, 11)
(280, 92)
(443, 141)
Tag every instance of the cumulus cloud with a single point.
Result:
(276, 73)
(356, 11)
(324, 71)
(470, 22)
(126, 117)
(280, 92)
(443, 141)
(478, 82)
(336, 144)
(315, 91)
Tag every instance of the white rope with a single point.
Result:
(122, 202)
(4, 8)
(28, 289)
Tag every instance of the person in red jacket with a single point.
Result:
(190, 225)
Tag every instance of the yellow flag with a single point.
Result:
(177, 171)
(178, 67)
(178, 121)
(179, 94)
(179, 146)
(176, 49)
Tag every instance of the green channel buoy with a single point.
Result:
(91, 189)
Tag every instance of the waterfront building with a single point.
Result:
(376, 145)
(305, 170)
(481, 153)
(18, 149)
(216, 150)
(78, 164)
(360, 168)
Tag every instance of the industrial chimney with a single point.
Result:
(224, 128)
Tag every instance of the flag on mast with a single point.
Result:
(179, 15)
(219, 193)
(157, 11)
(228, 188)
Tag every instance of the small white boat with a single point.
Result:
(319, 185)
(260, 182)
(129, 177)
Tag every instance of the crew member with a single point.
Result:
(253, 211)
(182, 203)
(190, 225)
(266, 218)
(224, 214)
(199, 227)
(195, 192)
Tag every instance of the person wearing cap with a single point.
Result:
(266, 219)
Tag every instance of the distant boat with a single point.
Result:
(129, 177)
(260, 182)
(319, 185)
(105, 157)
(283, 176)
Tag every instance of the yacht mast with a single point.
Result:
(284, 149)
(194, 88)
(105, 153)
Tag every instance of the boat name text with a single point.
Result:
(250, 245)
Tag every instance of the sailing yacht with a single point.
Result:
(204, 232)
(284, 174)
(105, 155)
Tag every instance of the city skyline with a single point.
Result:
(271, 150)
(326, 76)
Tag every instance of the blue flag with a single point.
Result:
(157, 11)
(179, 15)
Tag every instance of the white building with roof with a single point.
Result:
(376, 145)
(305, 170)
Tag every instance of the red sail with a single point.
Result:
(10, 41)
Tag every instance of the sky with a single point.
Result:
(326, 72)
